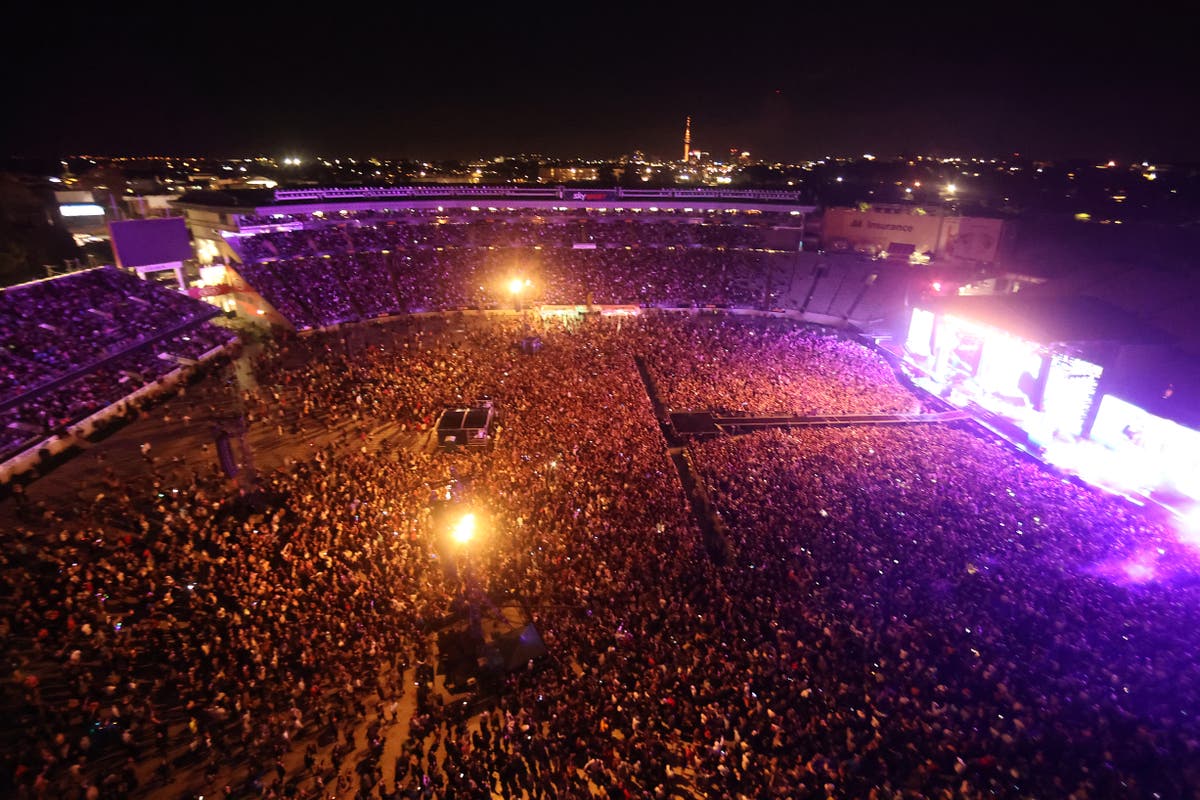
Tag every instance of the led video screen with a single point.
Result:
(143, 242)
(1070, 389)
(920, 332)
(1010, 367)
(1150, 443)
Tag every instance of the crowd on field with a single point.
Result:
(905, 613)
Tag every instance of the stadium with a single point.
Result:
(753, 520)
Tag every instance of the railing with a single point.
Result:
(556, 192)
(715, 194)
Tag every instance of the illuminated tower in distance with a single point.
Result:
(687, 139)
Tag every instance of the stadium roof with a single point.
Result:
(305, 200)
(228, 198)
(1051, 319)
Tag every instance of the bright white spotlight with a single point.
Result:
(516, 285)
(464, 531)
(1189, 528)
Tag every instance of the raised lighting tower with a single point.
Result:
(462, 534)
(687, 139)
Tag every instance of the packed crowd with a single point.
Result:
(55, 410)
(731, 366)
(193, 640)
(360, 265)
(51, 328)
(487, 212)
(319, 291)
(77, 344)
(908, 613)
(339, 237)
(939, 617)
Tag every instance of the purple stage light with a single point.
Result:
(1189, 528)
(1139, 571)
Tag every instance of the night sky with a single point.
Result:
(572, 81)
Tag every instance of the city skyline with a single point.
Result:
(784, 85)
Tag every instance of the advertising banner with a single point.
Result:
(970, 238)
(588, 195)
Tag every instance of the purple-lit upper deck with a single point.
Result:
(248, 214)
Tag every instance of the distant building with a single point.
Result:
(146, 206)
(911, 231)
(567, 174)
(83, 215)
